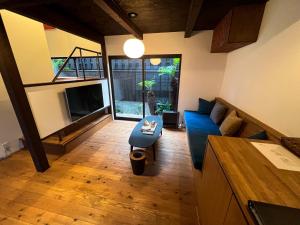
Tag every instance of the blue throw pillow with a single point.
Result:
(260, 136)
(205, 106)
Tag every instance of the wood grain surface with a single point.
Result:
(94, 184)
(253, 177)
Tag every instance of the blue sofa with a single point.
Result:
(198, 127)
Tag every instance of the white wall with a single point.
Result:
(49, 107)
(264, 78)
(62, 43)
(201, 71)
(29, 44)
(28, 41)
(10, 131)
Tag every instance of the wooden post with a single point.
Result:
(18, 97)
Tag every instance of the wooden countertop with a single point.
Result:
(252, 176)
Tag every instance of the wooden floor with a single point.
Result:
(94, 184)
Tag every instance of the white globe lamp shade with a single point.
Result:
(134, 48)
(155, 61)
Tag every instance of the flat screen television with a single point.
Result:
(84, 100)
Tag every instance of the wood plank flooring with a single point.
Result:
(93, 184)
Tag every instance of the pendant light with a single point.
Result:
(134, 48)
(155, 61)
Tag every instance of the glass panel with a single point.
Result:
(91, 67)
(127, 87)
(68, 71)
(161, 84)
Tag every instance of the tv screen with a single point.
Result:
(84, 100)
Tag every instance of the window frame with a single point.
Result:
(116, 57)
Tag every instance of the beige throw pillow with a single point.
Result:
(231, 124)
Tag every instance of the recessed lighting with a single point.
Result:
(132, 15)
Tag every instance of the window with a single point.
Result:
(147, 88)
(88, 67)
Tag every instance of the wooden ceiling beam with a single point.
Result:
(9, 4)
(111, 8)
(61, 20)
(193, 14)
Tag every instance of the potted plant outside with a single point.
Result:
(171, 71)
(148, 84)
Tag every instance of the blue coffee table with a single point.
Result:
(140, 140)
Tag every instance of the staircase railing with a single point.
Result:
(61, 69)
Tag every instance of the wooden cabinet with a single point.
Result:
(234, 214)
(215, 193)
(240, 27)
(233, 172)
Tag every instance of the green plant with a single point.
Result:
(163, 106)
(58, 63)
(148, 84)
(169, 70)
(118, 109)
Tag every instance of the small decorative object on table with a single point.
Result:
(148, 128)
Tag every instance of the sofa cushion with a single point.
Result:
(218, 113)
(205, 106)
(198, 127)
(260, 136)
(231, 124)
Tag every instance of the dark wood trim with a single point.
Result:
(18, 97)
(61, 82)
(112, 9)
(193, 14)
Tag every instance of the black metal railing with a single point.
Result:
(80, 67)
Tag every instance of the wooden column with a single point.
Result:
(105, 68)
(18, 97)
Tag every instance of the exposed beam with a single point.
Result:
(194, 11)
(17, 95)
(111, 8)
(55, 18)
(8, 4)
